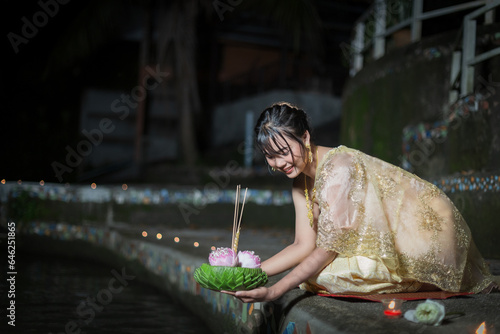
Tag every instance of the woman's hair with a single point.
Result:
(276, 123)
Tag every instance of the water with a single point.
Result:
(53, 293)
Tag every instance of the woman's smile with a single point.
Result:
(288, 170)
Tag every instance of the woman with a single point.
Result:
(363, 226)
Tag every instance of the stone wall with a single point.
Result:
(397, 108)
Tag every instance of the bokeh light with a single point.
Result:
(176, 239)
(144, 234)
(196, 244)
(159, 236)
(93, 185)
(124, 186)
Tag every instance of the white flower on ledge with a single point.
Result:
(429, 313)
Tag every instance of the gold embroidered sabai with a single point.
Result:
(392, 230)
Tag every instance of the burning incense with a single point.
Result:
(237, 218)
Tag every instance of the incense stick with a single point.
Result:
(242, 207)
(237, 218)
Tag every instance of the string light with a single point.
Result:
(159, 236)
(144, 234)
(196, 244)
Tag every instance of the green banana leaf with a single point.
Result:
(229, 278)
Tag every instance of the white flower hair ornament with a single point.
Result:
(429, 313)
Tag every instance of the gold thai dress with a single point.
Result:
(392, 231)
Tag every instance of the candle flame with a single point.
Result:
(481, 329)
(392, 304)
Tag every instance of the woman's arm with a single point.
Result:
(315, 262)
(305, 236)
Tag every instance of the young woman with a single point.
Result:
(363, 226)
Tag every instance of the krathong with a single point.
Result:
(229, 269)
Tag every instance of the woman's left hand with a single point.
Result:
(261, 294)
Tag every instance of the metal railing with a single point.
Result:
(469, 58)
(386, 17)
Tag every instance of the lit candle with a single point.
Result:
(392, 307)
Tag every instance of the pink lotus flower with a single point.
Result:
(248, 259)
(223, 257)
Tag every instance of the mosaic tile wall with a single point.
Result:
(149, 196)
(138, 195)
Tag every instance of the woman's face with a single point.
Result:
(289, 158)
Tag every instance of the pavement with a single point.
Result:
(301, 310)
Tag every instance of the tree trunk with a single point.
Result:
(178, 40)
(187, 80)
(144, 59)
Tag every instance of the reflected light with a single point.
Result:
(93, 185)
(159, 236)
(196, 244)
(176, 239)
(481, 329)
(144, 234)
(124, 186)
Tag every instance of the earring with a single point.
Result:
(309, 153)
(273, 169)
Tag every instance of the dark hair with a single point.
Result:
(278, 121)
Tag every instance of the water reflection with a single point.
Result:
(59, 296)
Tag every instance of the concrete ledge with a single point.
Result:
(171, 270)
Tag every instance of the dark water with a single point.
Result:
(72, 296)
